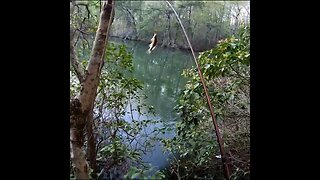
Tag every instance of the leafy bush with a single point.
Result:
(119, 128)
(226, 70)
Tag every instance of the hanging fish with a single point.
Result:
(153, 43)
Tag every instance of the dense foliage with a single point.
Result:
(226, 71)
(119, 128)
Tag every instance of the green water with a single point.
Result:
(160, 72)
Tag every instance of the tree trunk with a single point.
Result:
(80, 107)
(91, 149)
(77, 124)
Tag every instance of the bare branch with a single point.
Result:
(79, 29)
(75, 63)
(87, 8)
(75, 44)
(82, 32)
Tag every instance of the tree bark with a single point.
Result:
(76, 138)
(81, 106)
(91, 149)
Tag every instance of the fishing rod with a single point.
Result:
(224, 160)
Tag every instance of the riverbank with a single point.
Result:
(170, 46)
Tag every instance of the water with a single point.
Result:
(160, 72)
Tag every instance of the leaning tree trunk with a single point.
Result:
(81, 106)
(91, 149)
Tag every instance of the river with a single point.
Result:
(160, 72)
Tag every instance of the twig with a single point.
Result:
(98, 144)
(77, 40)
(87, 8)
(82, 32)
(75, 63)
(79, 29)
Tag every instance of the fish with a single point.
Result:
(153, 43)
